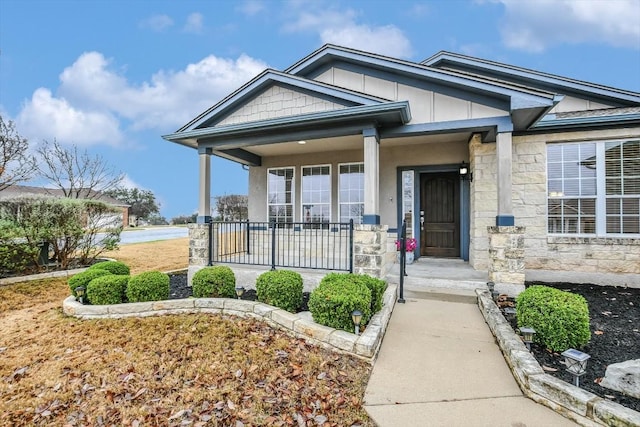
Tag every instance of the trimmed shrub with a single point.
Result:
(107, 289)
(336, 297)
(560, 318)
(83, 279)
(377, 288)
(148, 286)
(280, 288)
(113, 267)
(214, 282)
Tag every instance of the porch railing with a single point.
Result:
(325, 246)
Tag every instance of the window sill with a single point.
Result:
(594, 240)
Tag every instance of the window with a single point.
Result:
(280, 195)
(593, 188)
(351, 193)
(407, 200)
(316, 194)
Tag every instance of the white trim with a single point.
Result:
(339, 199)
(293, 191)
(302, 167)
(601, 194)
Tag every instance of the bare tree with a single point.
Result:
(77, 174)
(232, 207)
(15, 165)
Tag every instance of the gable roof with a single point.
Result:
(268, 78)
(483, 68)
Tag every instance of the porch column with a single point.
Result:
(371, 176)
(204, 192)
(505, 206)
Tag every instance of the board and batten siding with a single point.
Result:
(426, 106)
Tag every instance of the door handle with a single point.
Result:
(421, 223)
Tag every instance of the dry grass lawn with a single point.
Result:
(174, 370)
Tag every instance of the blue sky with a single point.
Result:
(113, 76)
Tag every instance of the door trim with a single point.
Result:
(464, 201)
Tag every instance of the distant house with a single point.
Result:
(501, 166)
(15, 191)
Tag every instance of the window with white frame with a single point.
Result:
(594, 188)
(351, 193)
(316, 194)
(280, 185)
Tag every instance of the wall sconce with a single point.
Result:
(465, 173)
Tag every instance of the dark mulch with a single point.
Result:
(179, 289)
(615, 337)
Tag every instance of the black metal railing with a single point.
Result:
(403, 259)
(325, 246)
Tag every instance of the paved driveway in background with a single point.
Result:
(151, 234)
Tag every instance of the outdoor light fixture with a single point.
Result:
(239, 291)
(527, 336)
(495, 295)
(576, 363)
(509, 313)
(465, 174)
(491, 286)
(80, 294)
(356, 316)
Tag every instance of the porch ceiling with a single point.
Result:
(350, 142)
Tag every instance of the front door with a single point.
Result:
(440, 209)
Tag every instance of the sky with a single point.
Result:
(113, 76)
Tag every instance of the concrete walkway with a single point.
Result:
(439, 365)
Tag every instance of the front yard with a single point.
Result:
(174, 370)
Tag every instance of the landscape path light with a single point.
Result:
(527, 335)
(239, 291)
(576, 363)
(80, 294)
(356, 317)
(510, 313)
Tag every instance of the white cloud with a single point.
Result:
(341, 28)
(535, 25)
(93, 100)
(129, 183)
(195, 23)
(252, 7)
(157, 22)
(47, 117)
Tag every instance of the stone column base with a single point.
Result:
(198, 249)
(370, 250)
(506, 258)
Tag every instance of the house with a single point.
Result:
(121, 215)
(504, 167)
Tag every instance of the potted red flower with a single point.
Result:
(410, 245)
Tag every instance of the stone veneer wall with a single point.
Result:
(198, 248)
(370, 245)
(591, 254)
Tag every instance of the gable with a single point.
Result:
(572, 103)
(428, 102)
(279, 101)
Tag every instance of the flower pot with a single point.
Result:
(409, 257)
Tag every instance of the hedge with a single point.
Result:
(83, 279)
(107, 289)
(148, 286)
(113, 267)
(560, 318)
(214, 282)
(280, 288)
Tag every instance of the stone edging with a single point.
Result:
(579, 405)
(300, 325)
(47, 275)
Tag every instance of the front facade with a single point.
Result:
(552, 164)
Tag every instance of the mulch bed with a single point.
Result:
(615, 337)
(179, 289)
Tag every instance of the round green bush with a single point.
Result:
(280, 288)
(113, 267)
(148, 286)
(560, 318)
(336, 297)
(83, 279)
(214, 282)
(107, 289)
(376, 286)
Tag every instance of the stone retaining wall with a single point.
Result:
(301, 325)
(581, 406)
